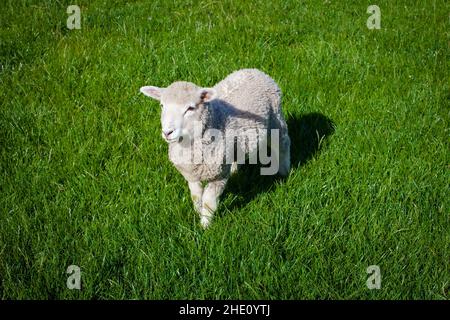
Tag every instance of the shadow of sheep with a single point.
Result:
(307, 133)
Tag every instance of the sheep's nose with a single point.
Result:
(167, 133)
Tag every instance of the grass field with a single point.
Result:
(86, 180)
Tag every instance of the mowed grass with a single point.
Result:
(86, 180)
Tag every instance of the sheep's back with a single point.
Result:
(251, 91)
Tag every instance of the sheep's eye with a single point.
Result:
(190, 108)
(162, 106)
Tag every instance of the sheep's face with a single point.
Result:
(182, 104)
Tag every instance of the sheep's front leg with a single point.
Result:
(196, 194)
(210, 200)
(234, 167)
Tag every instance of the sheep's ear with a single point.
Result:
(152, 92)
(207, 94)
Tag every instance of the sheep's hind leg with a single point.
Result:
(210, 201)
(196, 189)
(285, 155)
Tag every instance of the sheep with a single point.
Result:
(205, 126)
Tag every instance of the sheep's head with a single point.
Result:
(182, 104)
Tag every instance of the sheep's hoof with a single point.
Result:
(205, 222)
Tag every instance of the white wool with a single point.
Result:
(248, 100)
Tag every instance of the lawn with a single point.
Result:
(85, 177)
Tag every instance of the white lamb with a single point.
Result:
(209, 129)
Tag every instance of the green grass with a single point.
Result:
(86, 180)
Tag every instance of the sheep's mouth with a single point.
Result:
(173, 140)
